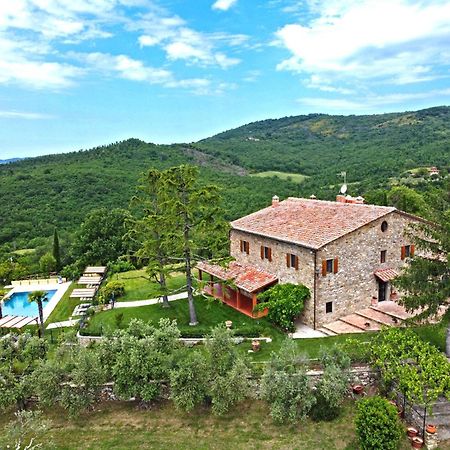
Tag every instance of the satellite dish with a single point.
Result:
(343, 188)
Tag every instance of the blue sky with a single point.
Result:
(79, 73)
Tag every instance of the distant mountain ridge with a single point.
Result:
(11, 160)
(38, 194)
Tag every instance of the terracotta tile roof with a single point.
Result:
(310, 223)
(386, 274)
(249, 278)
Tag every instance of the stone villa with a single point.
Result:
(346, 252)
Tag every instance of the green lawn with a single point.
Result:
(295, 177)
(124, 426)
(139, 287)
(65, 306)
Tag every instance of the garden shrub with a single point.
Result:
(285, 386)
(112, 288)
(285, 303)
(377, 424)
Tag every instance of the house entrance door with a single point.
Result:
(382, 288)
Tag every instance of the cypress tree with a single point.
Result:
(56, 251)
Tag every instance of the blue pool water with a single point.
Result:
(18, 305)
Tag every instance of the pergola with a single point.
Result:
(238, 286)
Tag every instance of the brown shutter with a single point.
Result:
(324, 267)
(411, 250)
(336, 265)
(288, 260)
(270, 254)
(296, 263)
(403, 254)
(241, 244)
(262, 252)
(248, 248)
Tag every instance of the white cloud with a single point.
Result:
(372, 102)
(24, 115)
(366, 39)
(183, 43)
(223, 5)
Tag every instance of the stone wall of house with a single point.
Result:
(354, 285)
(278, 266)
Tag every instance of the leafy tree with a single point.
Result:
(285, 303)
(200, 227)
(140, 358)
(19, 357)
(228, 380)
(377, 424)
(189, 381)
(38, 297)
(56, 251)
(100, 239)
(407, 200)
(285, 386)
(47, 263)
(425, 281)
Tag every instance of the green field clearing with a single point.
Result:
(125, 426)
(295, 177)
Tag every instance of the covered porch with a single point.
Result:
(237, 286)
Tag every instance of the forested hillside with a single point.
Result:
(39, 194)
(369, 148)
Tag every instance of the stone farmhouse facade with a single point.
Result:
(346, 252)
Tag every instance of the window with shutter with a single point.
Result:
(336, 265)
(324, 267)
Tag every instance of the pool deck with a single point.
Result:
(60, 288)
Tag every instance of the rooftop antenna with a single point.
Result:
(343, 189)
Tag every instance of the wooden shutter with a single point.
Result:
(411, 250)
(262, 252)
(403, 254)
(296, 263)
(288, 260)
(241, 244)
(247, 250)
(335, 265)
(324, 267)
(270, 254)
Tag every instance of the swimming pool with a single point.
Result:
(18, 305)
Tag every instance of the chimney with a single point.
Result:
(275, 201)
(312, 197)
(359, 200)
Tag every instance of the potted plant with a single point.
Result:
(358, 389)
(256, 345)
(417, 442)
(412, 432)
(431, 428)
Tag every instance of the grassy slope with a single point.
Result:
(122, 426)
